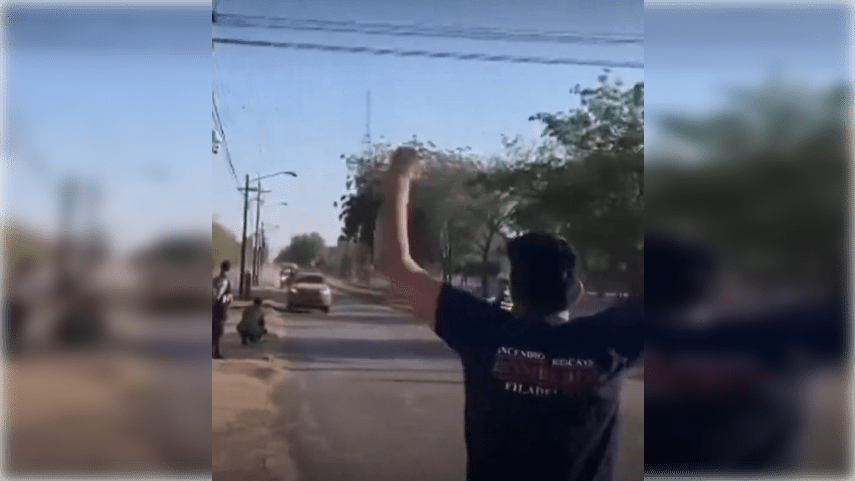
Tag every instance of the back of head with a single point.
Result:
(542, 271)
(225, 266)
(677, 273)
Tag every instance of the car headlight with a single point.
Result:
(293, 290)
(326, 291)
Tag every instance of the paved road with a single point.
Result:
(374, 396)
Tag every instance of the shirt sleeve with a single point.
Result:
(622, 327)
(464, 321)
(818, 328)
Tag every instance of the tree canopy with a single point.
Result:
(583, 180)
(767, 183)
(303, 249)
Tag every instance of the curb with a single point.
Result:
(268, 376)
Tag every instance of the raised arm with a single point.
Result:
(407, 279)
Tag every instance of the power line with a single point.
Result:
(222, 133)
(425, 53)
(219, 124)
(447, 31)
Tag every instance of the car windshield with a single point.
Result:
(311, 280)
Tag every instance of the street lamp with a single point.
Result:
(256, 266)
(244, 289)
(292, 174)
(260, 246)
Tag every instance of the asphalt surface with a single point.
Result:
(373, 395)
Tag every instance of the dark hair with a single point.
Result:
(677, 273)
(225, 265)
(257, 301)
(543, 268)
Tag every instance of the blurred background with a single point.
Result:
(746, 256)
(532, 118)
(107, 253)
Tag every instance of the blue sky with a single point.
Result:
(300, 110)
(120, 99)
(123, 100)
(694, 54)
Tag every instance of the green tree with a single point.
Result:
(439, 230)
(585, 181)
(489, 210)
(303, 249)
(362, 199)
(767, 181)
(346, 268)
(444, 226)
(598, 183)
(225, 245)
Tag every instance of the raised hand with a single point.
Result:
(405, 161)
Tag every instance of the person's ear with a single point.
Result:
(580, 292)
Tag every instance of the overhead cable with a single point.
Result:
(431, 54)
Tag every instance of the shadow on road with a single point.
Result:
(278, 296)
(323, 350)
(232, 349)
(418, 381)
(348, 318)
(334, 351)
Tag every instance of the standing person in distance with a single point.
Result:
(503, 299)
(542, 392)
(222, 300)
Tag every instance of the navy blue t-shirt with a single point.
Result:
(542, 400)
(724, 396)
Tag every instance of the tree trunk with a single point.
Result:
(447, 268)
(484, 257)
(635, 274)
(608, 276)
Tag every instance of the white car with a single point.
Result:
(310, 290)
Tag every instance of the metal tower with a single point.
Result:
(367, 139)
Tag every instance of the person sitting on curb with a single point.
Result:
(251, 327)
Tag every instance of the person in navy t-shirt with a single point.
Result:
(723, 387)
(542, 392)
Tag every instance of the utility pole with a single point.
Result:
(263, 255)
(69, 192)
(241, 280)
(255, 245)
(244, 291)
(67, 202)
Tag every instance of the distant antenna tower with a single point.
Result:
(367, 139)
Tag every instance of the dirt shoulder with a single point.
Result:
(245, 443)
